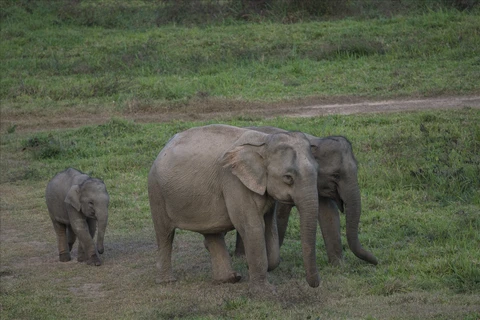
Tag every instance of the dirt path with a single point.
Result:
(390, 106)
(205, 109)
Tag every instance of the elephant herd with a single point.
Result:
(217, 178)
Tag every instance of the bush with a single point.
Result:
(43, 147)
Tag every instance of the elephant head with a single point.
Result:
(91, 199)
(282, 166)
(337, 180)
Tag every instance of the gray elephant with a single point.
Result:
(76, 203)
(218, 178)
(338, 188)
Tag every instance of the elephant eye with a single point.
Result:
(288, 179)
(90, 203)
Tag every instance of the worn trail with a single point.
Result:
(223, 110)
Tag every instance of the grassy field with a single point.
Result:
(51, 63)
(419, 181)
(418, 170)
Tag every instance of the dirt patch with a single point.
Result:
(388, 106)
(209, 108)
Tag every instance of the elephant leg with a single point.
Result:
(63, 248)
(72, 237)
(256, 255)
(329, 219)
(251, 228)
(271, 239)
(164, 234)
(81, 256)
(164, 258)
(239, 246)
(221, 262)
(86, 247)
(283, 213)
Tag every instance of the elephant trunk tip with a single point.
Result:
(313, 280)
(364, 255)
(359, 251)
(372, 259)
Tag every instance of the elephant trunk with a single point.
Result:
(353, 209)
(102, 226)
(307, 206)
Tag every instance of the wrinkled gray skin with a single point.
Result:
(338, 188)
(216, 178)
(76, 203)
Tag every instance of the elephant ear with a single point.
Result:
(246, 162)
(73, 197)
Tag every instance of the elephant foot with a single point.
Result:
(336, 262)
(94, 261)
(81, 258)
(64, 257)
(233, 277)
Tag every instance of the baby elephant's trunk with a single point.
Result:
(102, 226)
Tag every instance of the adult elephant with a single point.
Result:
(337, 186)
(218, 178)
(76, 203)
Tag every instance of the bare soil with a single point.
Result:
(199, 109)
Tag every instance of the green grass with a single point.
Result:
(418, 171)
(49, 63)
(421, 215)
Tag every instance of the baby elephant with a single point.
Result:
(76, 202)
